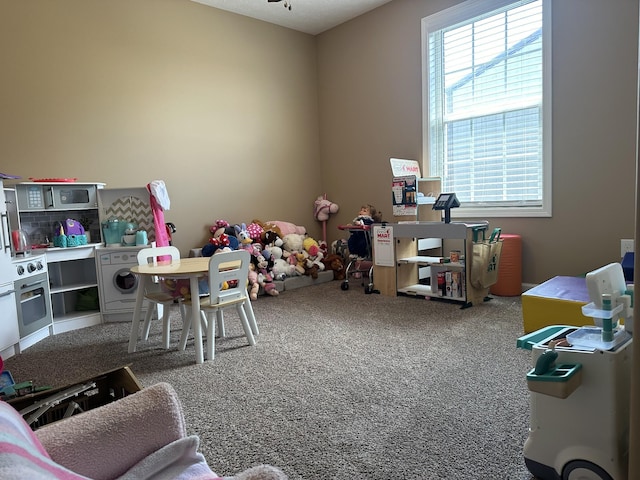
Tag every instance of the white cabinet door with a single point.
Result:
(9, 334)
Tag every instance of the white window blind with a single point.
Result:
(485, 111)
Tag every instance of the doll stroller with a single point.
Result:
(360, 267)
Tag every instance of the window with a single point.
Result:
(487, 105)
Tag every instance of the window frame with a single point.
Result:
(456, 14)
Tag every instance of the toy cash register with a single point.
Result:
(446, 201)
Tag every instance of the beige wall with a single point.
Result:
(370, 110)
(246, 120)
(220, 106)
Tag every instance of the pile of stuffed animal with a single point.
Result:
(278, 250)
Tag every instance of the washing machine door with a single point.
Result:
(124, 281)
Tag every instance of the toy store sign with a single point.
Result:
(402, 168)
(383, 245)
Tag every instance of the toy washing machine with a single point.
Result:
(579, 425)
(118, 285)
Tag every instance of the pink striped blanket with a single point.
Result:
(22, 456)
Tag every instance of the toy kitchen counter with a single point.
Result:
(57, 253)
(73, 282)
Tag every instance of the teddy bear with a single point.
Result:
(335, 262)
(311, 269)
(280, 267)
(293, 242)
(301, 262)
(316, 260)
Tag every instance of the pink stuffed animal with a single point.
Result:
(265, 280)
(288, 227)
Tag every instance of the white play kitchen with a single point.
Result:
(71, 244)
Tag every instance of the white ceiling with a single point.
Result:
(308, 16)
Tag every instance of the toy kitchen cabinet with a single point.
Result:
(72, 270)
(72, 276)
(419, 245)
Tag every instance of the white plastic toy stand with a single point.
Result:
(585, 435)
(580, 389)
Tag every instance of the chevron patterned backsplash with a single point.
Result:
(133, 209)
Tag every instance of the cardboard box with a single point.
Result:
(49, 406)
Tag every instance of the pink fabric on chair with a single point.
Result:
(22, 455)
(162, 237)
(129, 429)
(139, 437)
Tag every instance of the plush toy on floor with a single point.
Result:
(293, 242)
(281, 268)
(223, 238)
(314, 259)
(288, 227)
(335, 262)
(220, 227)
(265, 280)
(253, 287)
(221, 243)
(300, 259)
(255, 231)
(259, 275)
(271, 238)
(244, 237)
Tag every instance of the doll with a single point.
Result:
(357, 243)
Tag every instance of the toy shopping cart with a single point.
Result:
(360, 267)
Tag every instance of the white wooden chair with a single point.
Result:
(228, 274)
(159, 300)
